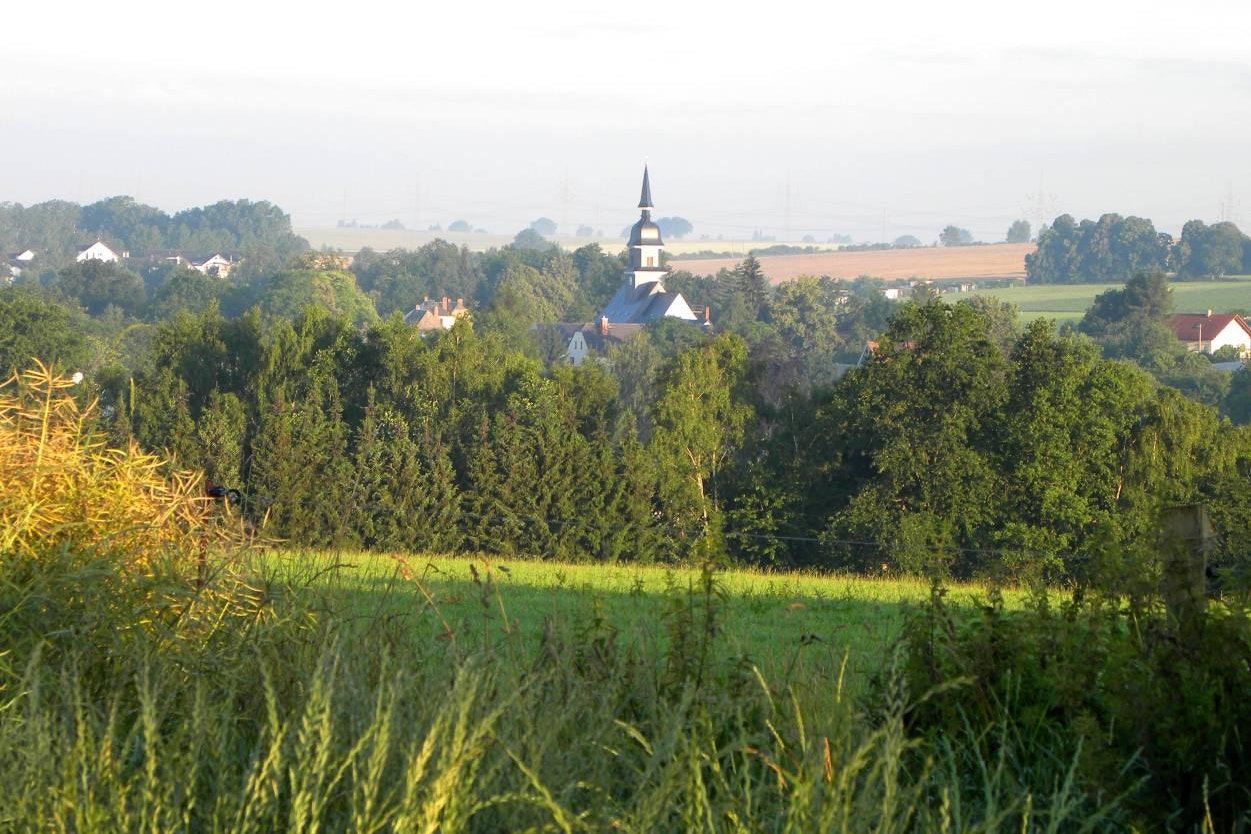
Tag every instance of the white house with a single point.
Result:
(1208, 333)
(98, 252)
(216, 265)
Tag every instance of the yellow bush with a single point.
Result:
(60, 485)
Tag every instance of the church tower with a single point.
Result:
(642, 297)
(645, 242)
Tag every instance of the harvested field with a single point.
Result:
(1004, 260)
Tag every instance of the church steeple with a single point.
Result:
(645, 199)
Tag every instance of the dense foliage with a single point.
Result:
(1109, 250)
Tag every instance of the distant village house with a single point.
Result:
(430, 315)
(1209, 332)
(99, 251)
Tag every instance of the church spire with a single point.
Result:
(645, 199)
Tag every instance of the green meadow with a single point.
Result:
(1069, 302)
(804, 630)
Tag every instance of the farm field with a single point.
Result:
(1005, 260)
(1069, 302)
(796, 627)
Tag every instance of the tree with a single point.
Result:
(752, 285)
(677, 227)
(1111, 249)
(545, 226)
(530, 238)
(35, 328)
(459, 226)
(1145, 296)
(700, 419)
(584, 231)
(805, 314)
(1018, 232)
(98, 285)
(906, 242)
(187, 290)
(916, 423)
(1209, 251)
(290, 291)
(955, 236)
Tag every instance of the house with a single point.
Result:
(641, 298)
(216, 265)
(893, 293)
(15, 265)
(436, 315)
(98, 251)
(585, 340)
(1209, 332)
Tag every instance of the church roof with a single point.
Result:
(645, 199)
(645, 233)
(642, 304)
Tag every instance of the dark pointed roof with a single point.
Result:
(645, 199)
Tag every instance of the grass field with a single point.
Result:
(796, 627)
(1069, 302)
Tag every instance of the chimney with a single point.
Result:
(603, 325)
(707, 314)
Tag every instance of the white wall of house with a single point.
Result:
(1232, 334)
(98, 252)
(578, 349)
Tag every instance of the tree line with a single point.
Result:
(956, 448)
(1113, 249)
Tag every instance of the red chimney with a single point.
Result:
(603, 325)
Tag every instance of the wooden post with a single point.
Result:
(1187, 534)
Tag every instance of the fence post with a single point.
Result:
(1187, 533)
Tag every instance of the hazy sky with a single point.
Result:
(792, 118)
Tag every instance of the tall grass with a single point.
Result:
(151, 682)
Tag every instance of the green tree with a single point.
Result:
(1209, 251)
(701, 417)
(186, 290)
(544, 226)
(1113, 248)
(291, 291)
(916, 423)
(804, 313)
(97, 285)
(32, 327)
(955, 236)
(676, 227)
(1018, 232)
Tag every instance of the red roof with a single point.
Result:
(1186, 326)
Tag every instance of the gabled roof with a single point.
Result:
(1190, 327)
(641, 304)
(598, 336)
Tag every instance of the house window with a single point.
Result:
(651, 261)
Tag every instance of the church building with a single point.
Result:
(642, 297)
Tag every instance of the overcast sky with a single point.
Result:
(791, 118)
